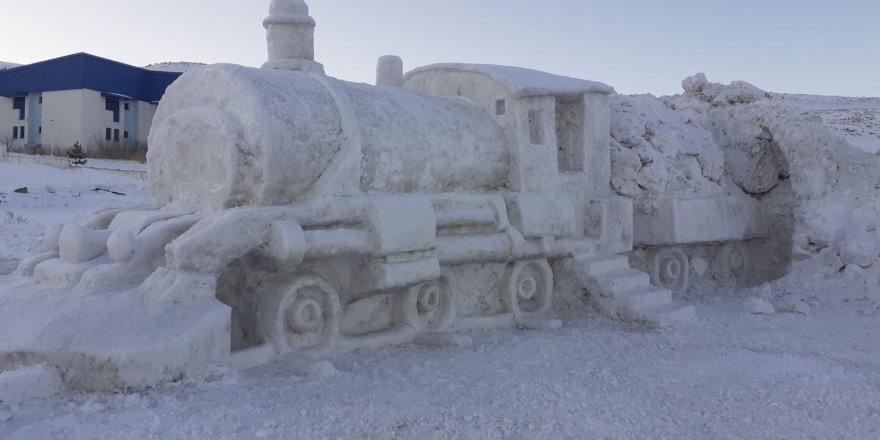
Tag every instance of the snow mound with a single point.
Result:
(656, 150)
(758, 306)
(858, 247)
(738, 92)
(4, 65)
(171, 66)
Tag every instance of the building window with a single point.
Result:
(40, 130)
(15, 132)
(112, 105)
(116, 135)
(570, 135)
(21, 131)
(126, 106)
(18, 104)
(536, 127)
(500, 107)
(109, 134)
(41, 99)
(125, 135)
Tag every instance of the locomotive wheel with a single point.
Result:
(435, 306)
(301, 315)
(735, 259)
(528, 287)
(671, 270)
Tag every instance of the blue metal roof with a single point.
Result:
(85, 71)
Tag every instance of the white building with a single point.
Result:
(79, 98)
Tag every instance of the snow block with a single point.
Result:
(758, 306)
(540, 216)
(401, 225)
(119, 342)
(700, 220)
(29, 383)
(78, 244)
(611, 219)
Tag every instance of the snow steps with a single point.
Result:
(625, 293)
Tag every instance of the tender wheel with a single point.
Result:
(528, 287)
(735, 259)
(434, 306)
(301, 315)
(671, 270)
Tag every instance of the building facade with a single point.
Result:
(79, 98)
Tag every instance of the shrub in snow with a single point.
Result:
(76, 156)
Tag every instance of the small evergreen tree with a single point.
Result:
(76, 156)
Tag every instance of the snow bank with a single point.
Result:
(738, 92)
(657, 151)
(174, 66)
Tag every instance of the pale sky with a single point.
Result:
(637, 46)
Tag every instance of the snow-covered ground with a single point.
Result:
(54, 196)
(730, 375)
(5, 65)
(91, 163)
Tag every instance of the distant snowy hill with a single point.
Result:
(182, 66)
(4, 65)
(856, 119)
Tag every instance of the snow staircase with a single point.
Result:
(627, 294)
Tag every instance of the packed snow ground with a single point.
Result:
(731, 375)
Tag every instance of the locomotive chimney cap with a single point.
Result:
(288, 7)
(290, 36)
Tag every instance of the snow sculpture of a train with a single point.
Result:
(301, 212)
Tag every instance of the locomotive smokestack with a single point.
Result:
(389, 71)
(290, 34)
